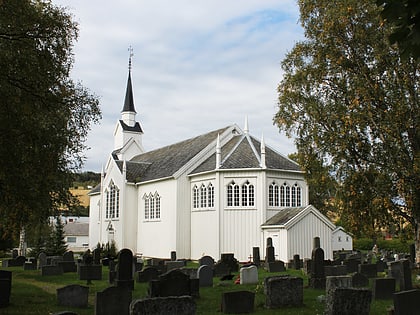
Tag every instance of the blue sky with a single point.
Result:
(197, 66)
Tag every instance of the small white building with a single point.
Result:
(292, 231)
(341, 240)
(211, 194)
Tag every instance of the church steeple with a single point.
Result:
(128, 112)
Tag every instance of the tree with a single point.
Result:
(44, 115)
(404, 15)
(353, 104)
(56, 245)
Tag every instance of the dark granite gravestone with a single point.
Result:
(275, 266)
(283, 291)
(206, 260)
(205, 276)
(51, 270)
(124, 276)
(256, 256)
(96, 256)
(173, 255)
(30, 264)
(15, 253)
(113, 301)
(184, 305)
(148, 274)
(335, 270)
(269, 254)
(73, 295)
(369, 270)
(334, 282)
(174, 283)
(307, 263)
(174, 264)
(5, 287)
(42, 260)
(383, 288)
(381, 266)
(296, 262)
(316, 242)
(407, 302)
(238, 302)
(19, 261)
(349, 301)
(358, 280)
(352, 265)
(400, 270)
(317, 274)
(68, 264)
(226, 265)
(90, 272)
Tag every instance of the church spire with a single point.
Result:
(129, 99)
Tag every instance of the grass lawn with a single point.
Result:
(34, 294)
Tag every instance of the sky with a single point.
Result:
(198, 66)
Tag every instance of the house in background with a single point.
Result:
(213, 193)
(341, 240)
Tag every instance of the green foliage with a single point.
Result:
(404, 15)
(86, 179)
(353, 104)
(394, 245)
(56, 244)
(37, 237)
(44, 115)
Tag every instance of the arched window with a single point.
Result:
(248, 197)
(283, 195)
(157, 206)
(203, 196)
(195, 197)
(210, 194)
(146, 207)
(152, 207)
(296, 196)
(112, 210)
(287, 195)
(233, 195)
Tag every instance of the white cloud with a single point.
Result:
(198, 66)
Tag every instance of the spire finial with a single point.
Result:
(131, 54)
(246, 128)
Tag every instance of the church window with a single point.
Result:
(195, 197)
(296, 196)
(284, 195)
(247, 194)
(203, 196)
(112, 210)
(152, 210)
(210, 193)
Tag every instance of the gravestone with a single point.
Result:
(283, 291)
(238, 302)
(249, 275)
(19, 261)
(170, 265)
(173, 283)
(269, 254)
(400, 270)
(51, 270)
(352, 264)
(205, 276)
(173, 255)
(15, 253)
(5, 287)
(381, 266)
(206, 260)
(30, 264)
(407, 302)
(335, 270)
(112, 301)
(96, 256)
(296, 262)
(317, 274)
(359, 280)
(349, 301)
(256, 256)
(68, 264)
(148, 274)
(192, 272)
(73, 295)
(124, 276)
(90, 272)
(369, 270)
(42, 260)
(184, 305)
(316, 242)
(275, 266)
(383, 288)
(226, 265)
(332, 283)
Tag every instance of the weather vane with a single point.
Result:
(130, 50)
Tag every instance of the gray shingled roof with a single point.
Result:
(284, 216)
(166, 161)
(240, 152)
(77, 229)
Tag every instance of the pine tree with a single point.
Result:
(56, 244)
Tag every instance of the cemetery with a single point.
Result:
(351, 283)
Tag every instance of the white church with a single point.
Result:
(224, 191)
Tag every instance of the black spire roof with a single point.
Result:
(129, 99)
